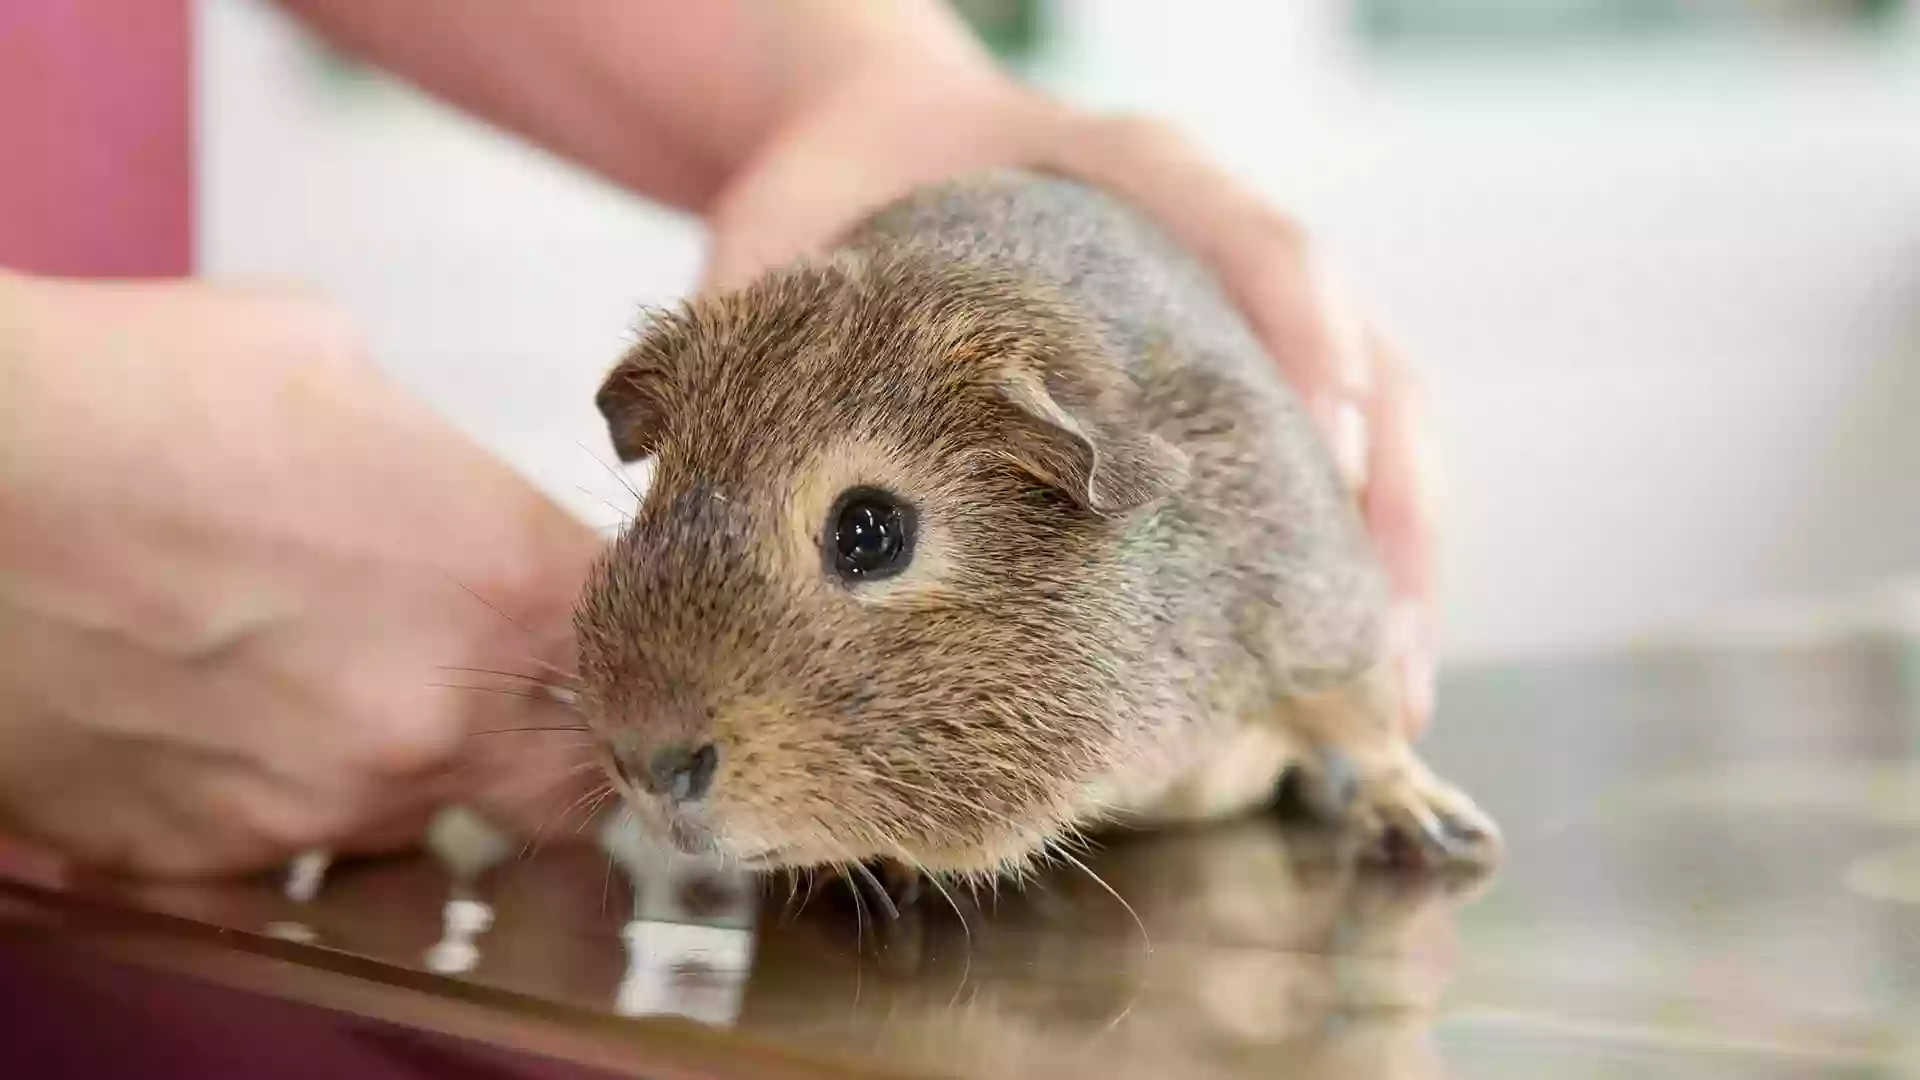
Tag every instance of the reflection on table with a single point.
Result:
(1713, 871)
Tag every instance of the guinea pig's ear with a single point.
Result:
(631, 402)
(1081, 443)
(634, 398)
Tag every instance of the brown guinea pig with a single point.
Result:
(995, 525)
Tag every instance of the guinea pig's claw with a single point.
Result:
(882, 885)
(1322, 791)
(1411, 817)
(902, 882)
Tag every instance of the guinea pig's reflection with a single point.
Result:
(1243, 949)
(1269, 954)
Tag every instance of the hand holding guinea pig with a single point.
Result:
(994, 524)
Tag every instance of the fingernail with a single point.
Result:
(1351, 443)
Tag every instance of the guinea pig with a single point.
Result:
(990, 527)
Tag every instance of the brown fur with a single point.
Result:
(1139, 587)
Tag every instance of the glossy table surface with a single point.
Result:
(1714, 870)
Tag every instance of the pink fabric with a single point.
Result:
(95, 155)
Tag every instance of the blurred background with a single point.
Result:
(1658, 262)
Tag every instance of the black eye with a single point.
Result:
(870, 536)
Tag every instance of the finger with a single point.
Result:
(811, 182)
(31, 863)
(194, 815)
(869, 143)
(1400, 507)
(212, 819)
(162, 815)
(1261, 256)
(222, 706)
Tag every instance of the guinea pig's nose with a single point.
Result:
(682, 774)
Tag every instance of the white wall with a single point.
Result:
(1668, 305)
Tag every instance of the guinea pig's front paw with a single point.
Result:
(1405, 814)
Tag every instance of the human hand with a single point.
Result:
(234, 562)
(885, 130)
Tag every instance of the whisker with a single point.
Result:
(966, 929)
(1111, 891)
(520, 730)
(1048, 847)
(504, 691)
(606, 877)
(597, 794)
(534, 841)
(584, 490)
(919, 867)
(934, 880)
(813, 879)
(879, 890)
(558, 673)
(592, 808)
(495, 608)
(611, 471)
(545, 781)
(859, 910)
(521, 675)
(548, 782)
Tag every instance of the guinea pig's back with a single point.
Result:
(1139, 289)
(1265, 541)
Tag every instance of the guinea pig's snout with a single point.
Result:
(675, 771)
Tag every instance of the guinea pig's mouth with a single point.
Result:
(691, 836)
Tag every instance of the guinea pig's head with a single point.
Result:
(872, 603)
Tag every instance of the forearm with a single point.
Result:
(667, 98)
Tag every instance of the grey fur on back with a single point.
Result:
(1258, 574)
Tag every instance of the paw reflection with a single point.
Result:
(690, 941)
(456, 953)
(685, 969)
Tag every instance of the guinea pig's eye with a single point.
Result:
(870, 535)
